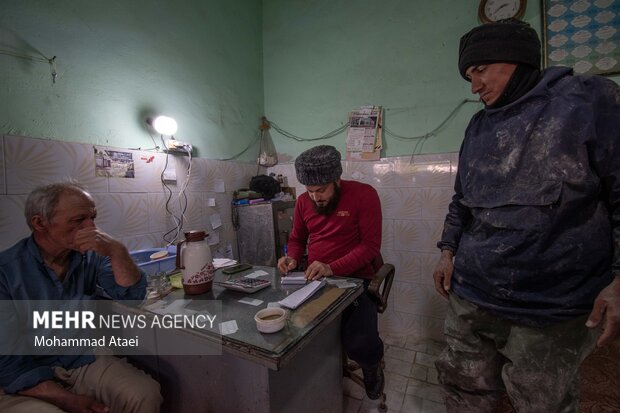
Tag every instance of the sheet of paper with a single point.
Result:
(223, 262)
(219, 185)
(211, 202)
(228, 327)
(213, 238)
(216, 221)
(273, 305)
(255, 274)
(251, 301)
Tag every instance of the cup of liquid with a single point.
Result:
(270, 320)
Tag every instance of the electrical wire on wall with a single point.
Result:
(420, 139)
(289, 135)
(181, 198)
(41, 58)
(258, 136)
(273, 125)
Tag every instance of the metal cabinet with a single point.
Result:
(262, 231)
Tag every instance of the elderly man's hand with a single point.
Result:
(125, 271)
(93, 239)
(607, 310)
(318, 270)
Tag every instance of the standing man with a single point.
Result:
(340, 223)
(534, 226)
(68, 258)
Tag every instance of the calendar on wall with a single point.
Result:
(582, 34)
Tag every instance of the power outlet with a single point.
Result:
(170, 175)
(175, 146)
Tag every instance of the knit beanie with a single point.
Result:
(503, 41)
(318, 166)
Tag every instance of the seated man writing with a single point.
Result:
(68, 258)
(340, 223)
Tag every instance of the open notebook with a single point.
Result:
(298, 297)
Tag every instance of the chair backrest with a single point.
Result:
(381, 284)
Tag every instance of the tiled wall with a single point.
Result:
(414, 195)
(132, 210)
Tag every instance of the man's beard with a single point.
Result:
(331, 205)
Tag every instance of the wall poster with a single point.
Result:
(364, 141)
(113, 164)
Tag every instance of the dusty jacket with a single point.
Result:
(535, 219)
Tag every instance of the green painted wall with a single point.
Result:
(207, 62)
(120, 61)
(325, 57)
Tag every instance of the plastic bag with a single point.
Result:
(267, 155)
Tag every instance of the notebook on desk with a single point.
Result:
(298, 297)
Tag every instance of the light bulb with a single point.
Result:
(165, 125)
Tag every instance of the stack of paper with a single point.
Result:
(298, 297)
(293, 278)
(223, 262)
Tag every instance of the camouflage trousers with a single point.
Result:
(488, 356)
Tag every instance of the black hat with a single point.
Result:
(504, 41)
(318, 166)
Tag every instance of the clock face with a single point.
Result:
(495, 10)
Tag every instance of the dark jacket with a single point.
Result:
(535, 219)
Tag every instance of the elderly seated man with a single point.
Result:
(68, 258)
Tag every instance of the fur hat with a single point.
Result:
(504, 41)
(318, 166)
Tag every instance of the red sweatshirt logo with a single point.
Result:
(342, 213)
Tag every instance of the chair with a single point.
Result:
(384, 276)
(379, 289)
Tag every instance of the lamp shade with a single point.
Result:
(165, 125)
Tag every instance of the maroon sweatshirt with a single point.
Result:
(348, 239)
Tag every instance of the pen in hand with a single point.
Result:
(286, 257)
(286, 263)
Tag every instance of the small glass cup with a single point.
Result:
(153, 285)
(165, 287)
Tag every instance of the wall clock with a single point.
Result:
(493, 10)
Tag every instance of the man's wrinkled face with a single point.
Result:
(489, 81)
(74, 212)
(325, 197)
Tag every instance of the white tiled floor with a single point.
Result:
(411, 379)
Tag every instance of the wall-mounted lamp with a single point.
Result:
(164, 125)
